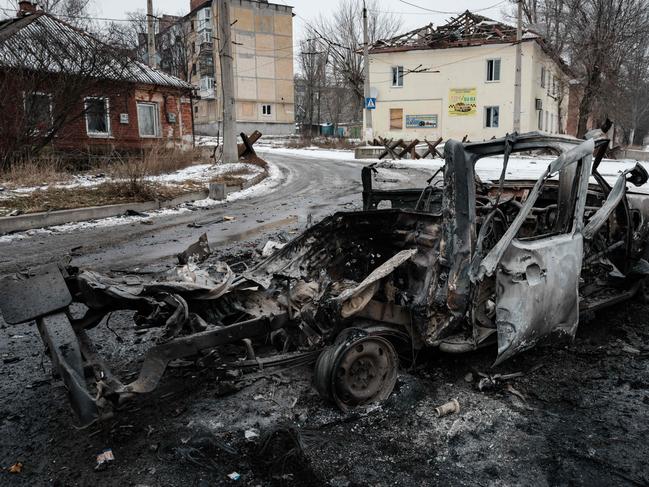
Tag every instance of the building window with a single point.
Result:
(551, 123)
(204, 18)
(207, 87)
(493, 69)
(540, 120)
(554, 85)
(266, 110)
(206, 36)
(194, 69)
(148, 119)
(545, 122)
(38, 112)
(97, 117)
(492, 114)
(542, 76)
(397, 76)
(396, 118)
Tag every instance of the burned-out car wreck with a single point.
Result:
(456, 265)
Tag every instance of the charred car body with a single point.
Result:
(456, 265)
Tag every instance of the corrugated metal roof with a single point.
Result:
(45, 43)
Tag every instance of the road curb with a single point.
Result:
(30, 221)
(20, 223)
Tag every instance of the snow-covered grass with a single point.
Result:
(275, 178)
(199, 173)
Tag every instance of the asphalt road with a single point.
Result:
(310, 186)
(577, 415)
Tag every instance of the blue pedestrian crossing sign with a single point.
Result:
(370, 103)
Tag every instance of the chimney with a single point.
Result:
(26, 8)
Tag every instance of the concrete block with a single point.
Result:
(217, 191)
(368, 152)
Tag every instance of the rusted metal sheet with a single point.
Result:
(25, 298)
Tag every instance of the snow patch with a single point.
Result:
(198, 172)
(274, 179)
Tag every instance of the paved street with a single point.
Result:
(310, 186)
(578, 419)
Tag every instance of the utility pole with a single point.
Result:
(151, 34)
(368, 135)
(519, 62)
(230, 153)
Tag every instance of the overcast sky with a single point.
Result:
(308, 10)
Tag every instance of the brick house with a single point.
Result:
(67, 91)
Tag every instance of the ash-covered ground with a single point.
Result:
(579, 415)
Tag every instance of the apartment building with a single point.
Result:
(263, 66)
(457, 80)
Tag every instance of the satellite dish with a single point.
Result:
(374, 93)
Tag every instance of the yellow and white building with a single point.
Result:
(263, 66)
(457, 80)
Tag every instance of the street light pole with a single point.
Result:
(151, 34)
(519, 62)
(230, 153)
(367, 132)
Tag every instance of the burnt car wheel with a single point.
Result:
(358, 369)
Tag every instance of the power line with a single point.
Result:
(84, 17)
(433, 69)
(452, 13)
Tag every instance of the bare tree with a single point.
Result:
(605, 32)
(629, 106)
(312, 64)
(128, 35)
(75, 12)
(174, 49)
(549, 18)
(602, 39)
(343, 35)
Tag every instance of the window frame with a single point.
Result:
(543, 70)
(157, 119)
(399, 79)
(206, 36)
(390, 119)
(488, 120)
(36, 131)
(94, 134)
(493, 63)
(266, 109)
(208, 90)
(204, 18)
(546, 121)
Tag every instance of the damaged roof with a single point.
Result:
(42, 42)
(465, 30)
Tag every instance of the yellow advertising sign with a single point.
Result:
(462, 101)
